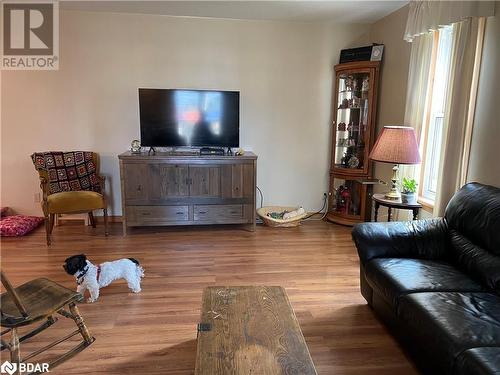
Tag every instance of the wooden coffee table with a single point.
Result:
(250, 330)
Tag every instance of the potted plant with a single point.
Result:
(409, 190)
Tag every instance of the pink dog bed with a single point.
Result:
(18, 225)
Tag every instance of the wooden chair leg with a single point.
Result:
(15, 353)
(84, 331)
(105, 211)
(52, 219)
(92, 219)
(47, 229)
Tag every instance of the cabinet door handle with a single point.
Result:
(202, 212)
(139, 188)
(179, 213)
(146, 214)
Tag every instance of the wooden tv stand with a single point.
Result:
(174, 189)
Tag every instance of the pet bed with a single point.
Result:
(18, 225)
(276, 222)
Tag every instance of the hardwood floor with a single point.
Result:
(154, 332)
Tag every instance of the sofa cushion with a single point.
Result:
(444, 324)
(477, 262)
(474, 212)
(394, 277)
(478, 361)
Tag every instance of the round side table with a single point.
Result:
(380, 200)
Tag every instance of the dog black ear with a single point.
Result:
(75, 263)
(82, 260)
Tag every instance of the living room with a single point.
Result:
(259, 253)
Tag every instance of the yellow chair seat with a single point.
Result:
(74, 201)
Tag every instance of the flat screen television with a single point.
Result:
(178, 117)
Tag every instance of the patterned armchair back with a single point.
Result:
(68, 171)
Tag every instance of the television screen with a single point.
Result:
(175, 117)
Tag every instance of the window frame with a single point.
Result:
(426, 123)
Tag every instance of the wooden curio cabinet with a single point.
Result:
(354, 115)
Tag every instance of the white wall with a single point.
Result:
(486, 134)
(394, 78)
(283, 70)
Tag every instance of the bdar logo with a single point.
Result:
(8, 368)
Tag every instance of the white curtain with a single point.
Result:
(418, 82)
(416, 96)
(453, 166)
(426, 16)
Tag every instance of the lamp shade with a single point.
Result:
(397, 145)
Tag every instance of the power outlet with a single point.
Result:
(37, 198)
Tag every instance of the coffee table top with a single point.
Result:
(252, 330)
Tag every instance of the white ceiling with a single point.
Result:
(338, 11)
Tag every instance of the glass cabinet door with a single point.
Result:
(346, 197)
(352, 121)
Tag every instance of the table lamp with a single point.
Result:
(396, 145)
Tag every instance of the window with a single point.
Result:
(432, 129)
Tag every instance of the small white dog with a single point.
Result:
(92, 277)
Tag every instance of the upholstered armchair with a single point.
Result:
(70, 184)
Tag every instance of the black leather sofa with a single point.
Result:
(436, 283)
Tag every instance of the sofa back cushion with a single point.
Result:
(480, 264)
(474, 212)
(473, 218)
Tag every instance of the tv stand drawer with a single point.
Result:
(219, 213)
(157, 214)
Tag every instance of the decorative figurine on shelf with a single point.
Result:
(341, 127)
(366, 84)
(349, 83)
(346, 198)
(135, 147)
(354, 83)
(344, 104)
(339, 204)
(353, 162)
(343, 199)
(350, 152)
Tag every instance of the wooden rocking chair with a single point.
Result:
(37, 301)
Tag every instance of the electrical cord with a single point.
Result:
(325, 205)
(261, 196)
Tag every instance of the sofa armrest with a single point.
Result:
(424, 239)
